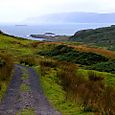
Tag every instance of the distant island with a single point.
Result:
(45, 35)
(51, 36)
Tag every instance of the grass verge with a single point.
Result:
(56, 94)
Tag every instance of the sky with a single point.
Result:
(19, 10)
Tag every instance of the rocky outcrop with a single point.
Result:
(50, 37)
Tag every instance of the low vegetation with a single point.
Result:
(65, 53)
(77, 88)
(6, 66)
(77, 81)
(24, 88)
(87, 59)
(29, 111)
(24, 77)
(104, 67)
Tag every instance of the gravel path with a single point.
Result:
(25, 93)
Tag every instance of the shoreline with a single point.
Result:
(6, 34)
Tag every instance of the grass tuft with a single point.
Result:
(24, 87)
(29, 111)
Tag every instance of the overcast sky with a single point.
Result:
(18, 10)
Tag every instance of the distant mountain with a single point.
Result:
(101, 37)
(74, 17)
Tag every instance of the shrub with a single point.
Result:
(65, 53)
(104, 67)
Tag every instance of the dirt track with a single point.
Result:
(17, 99)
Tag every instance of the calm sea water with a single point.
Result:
(60, 29)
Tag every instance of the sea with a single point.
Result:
(59, 29)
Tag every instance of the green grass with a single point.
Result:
(24, 87)
(56, 95)
(15, 46)
(50, 82)
(60, 88)
(109, 78)
(3, 89)
(10, 50)
(29, 111)
(24, 76)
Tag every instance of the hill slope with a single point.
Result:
(59, 77)
(104, 37)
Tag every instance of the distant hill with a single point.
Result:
(104, 37)
(74, 17)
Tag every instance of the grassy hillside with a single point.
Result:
(102, 37)
(15, 45)
(68, 74)
(82, 92)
